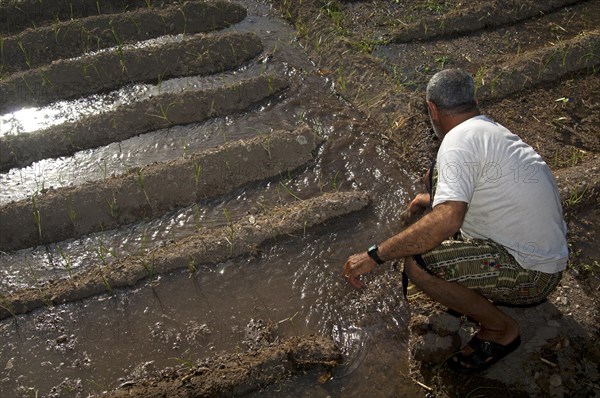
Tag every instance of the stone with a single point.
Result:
(555, 380)
(444, 324)
(432, 348)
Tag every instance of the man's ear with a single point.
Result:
(433, 110)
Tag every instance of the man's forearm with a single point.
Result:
(444, 221)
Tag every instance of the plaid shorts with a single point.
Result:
(487, 267)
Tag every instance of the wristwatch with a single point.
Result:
(373, 252)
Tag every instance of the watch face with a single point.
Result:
(372, 248)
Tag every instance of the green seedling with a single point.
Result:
(66, 259)
(148, 4)
(334, 182)
(56, 27)
(289, 190)
(5, 305)
(26, 54)
(576, 197)
(266, 142)
(192, 265)
(230, 229)
(72, 213)
(187, 362)
(141, 184)
(86, 67)
(270, 79)
(98, 7)
(150, 268)
(442, 61)
(479, 79)
(164, 111)
(197, 172)
(341, 79)
(105, 281)
(36, 216)
(160, 80)
(576, 156)
(112, 206)
(332, 9)
(184, 20)
(563, 100)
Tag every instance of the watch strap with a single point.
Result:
(373, 252)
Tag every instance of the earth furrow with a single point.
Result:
(17, 15)
(152, 191)
(164, 110)
(71, 38)
(108, 70)
(463, 20)
(205, 247)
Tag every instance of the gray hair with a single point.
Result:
(452, 91)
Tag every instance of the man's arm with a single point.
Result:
(442, 222)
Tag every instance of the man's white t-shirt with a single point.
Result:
(511, 193)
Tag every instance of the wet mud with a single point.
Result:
(536, 68)
(152, 191)
(240, 374)
(156, 112)
(528, 79)
(66, 38)
(16, 15)
(207, 246)
(105, 71)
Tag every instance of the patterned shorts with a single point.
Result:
(487, 267)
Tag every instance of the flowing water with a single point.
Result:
(295, 282)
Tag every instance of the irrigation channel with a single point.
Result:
(176, 181)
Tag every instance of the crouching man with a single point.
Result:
(500, 196)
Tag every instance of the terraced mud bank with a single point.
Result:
(183, 181)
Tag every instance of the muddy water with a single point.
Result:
(99, 343)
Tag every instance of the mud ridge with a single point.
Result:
(67, 39)
(17, 15)
(152, 191)
(164, 110)
(462, 21)
(108, 70)
(542, 65)
(239, 374)
(356, 76)
(205, 247)
(579, 185)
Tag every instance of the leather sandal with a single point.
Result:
(484, 355)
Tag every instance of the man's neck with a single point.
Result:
(448, 122)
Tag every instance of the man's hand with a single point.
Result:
(357, 265)
(419, 204)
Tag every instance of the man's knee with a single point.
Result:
(415, 273)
